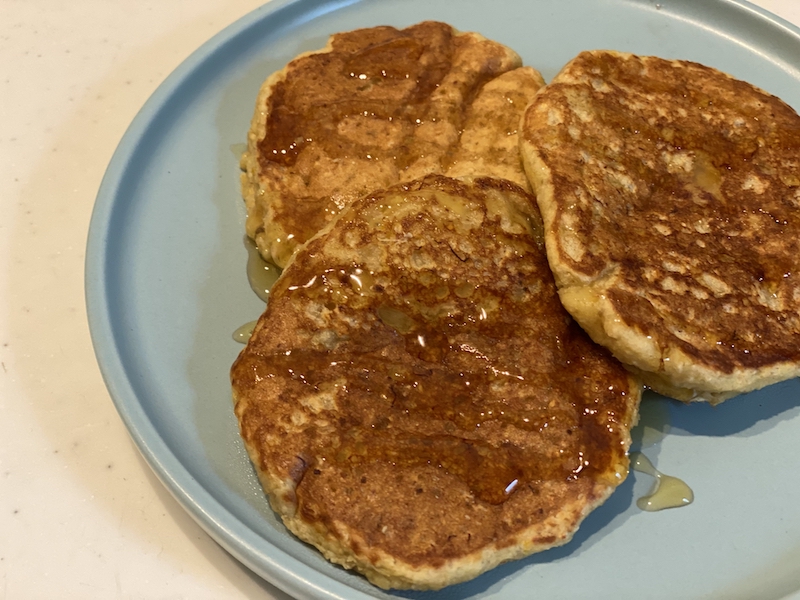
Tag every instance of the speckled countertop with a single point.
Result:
(81, 514)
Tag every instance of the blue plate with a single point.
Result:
(166, 287)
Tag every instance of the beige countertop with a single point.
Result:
(81, 514)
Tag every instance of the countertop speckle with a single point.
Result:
(81, 513)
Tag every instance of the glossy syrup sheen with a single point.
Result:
(667, 492)
(569, 441)
(373, 84)
(446, 369)
(377, 106)
(261, 275)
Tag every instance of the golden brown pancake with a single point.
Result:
(489, 144)
(670, 194)
(376, 107)
(416, 401)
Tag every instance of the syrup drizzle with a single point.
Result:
(668, 491)
(653, 427)
(262, 276)
(243, 333)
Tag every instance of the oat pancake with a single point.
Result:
(670, 194)
(416, 401)
(373, 108)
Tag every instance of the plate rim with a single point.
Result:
(277, 567)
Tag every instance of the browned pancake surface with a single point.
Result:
(671, 202)
(376, 107)
(417, 402)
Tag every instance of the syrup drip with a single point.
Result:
(238, 149)
(668, 491)
(261, 274)
(243, 333)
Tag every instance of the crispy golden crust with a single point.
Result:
(671, 200)
(415, 399)
(376, 107)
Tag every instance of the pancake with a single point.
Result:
(416, 401)
(373, 108)
(489, 144)
(670, 194)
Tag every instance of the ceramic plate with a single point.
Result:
(166, 287)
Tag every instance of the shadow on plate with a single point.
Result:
(745, 415)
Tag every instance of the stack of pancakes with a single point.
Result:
(417, 399)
